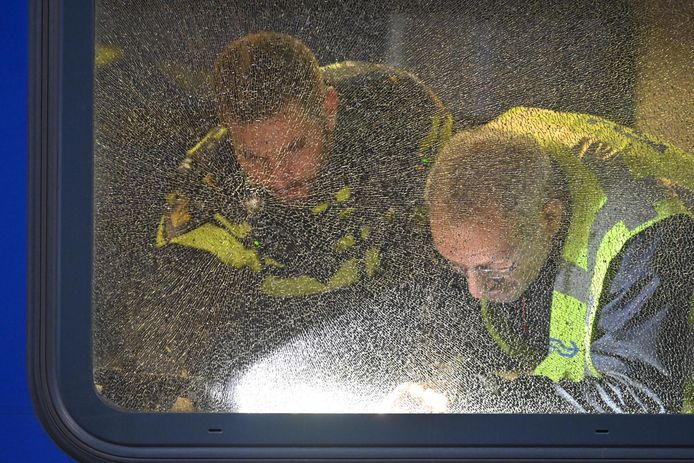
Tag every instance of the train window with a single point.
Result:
(365, 215)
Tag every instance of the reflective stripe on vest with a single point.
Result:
(613, 176)
(224, 240)
(577, 295)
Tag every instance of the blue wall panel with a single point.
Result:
(21, 437)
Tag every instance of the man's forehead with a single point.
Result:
(471, 239)
(291, 111)
(474, 235)
(488, 218)
(278, 128)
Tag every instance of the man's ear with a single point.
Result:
(330, 105)
(552, 217)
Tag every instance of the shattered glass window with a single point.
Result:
(288, 220)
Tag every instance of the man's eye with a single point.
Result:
(297, 145)
(495, 273)
(250, 157)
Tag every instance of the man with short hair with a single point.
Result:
(281, 114)
(575, 233)
(325, 163)
(303, 202)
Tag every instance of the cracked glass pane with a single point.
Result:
(388, 207)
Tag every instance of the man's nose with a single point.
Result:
(280, 175)
(474, 285)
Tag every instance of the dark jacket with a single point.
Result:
(196, 319)
(642, 344)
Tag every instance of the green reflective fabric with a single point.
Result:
(569, 320)
(220, 242)
(441, 131)
(567, 137)
(225, 243)
(305, 285)
(239, 230)
(688, 405)
(489, 325)
(567, 324)
(372, 260)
